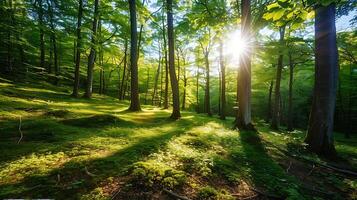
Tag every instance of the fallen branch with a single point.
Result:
(245, 198)
(344, 171)
(18, 142)
(88, 173)
(175, 195)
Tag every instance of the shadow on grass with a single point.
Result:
(264, 172)
(74, 180)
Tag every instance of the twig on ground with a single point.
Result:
(175, 195)
(88, 173)
(245, 198)
(18, 142)
(287, 170)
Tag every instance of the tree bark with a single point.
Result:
(121, 88)
(320, 130)
(243, 119)
(173, 79)
(134, 85)
(184, 89)
(290, 106)
(207, 102)
(154, 96)
(166, 94)
(197, 90)
(276, 110)
(92, 54)
(78, 50)
(53, 41)
(223, 82)
(42, 34)
(269, 110)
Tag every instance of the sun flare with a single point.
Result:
(235, 47)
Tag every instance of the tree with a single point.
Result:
(223, 82)
(92, 54)
(134, 85)
(78, 49)
(243, 119)
(279, 68)
(173, 79)
(320, 130)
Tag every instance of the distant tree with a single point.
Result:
(223, 82)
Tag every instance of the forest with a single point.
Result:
(178, 99)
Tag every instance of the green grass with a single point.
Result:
(92, 149)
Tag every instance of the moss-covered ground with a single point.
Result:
(94, 149)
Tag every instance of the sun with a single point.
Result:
(236, 46)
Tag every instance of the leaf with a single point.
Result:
(278, 14)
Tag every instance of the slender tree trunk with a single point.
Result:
(243, 119)
(184, 89)
(207, 89)
(276, 110)
(173, 79)
(166, 94)
(320, 130)
(290, 106)
(92, 54)
(50, 61)
(223, 82)
(147, 84)
(77, 50)
(121, 88)
(53, 41)
(161, 84)
(42, 34)
(9, 39)
(154, 96)
(269, 110)
(197, 90)
(350, 125)
(134, 85)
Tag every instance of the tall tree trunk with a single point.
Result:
(166, 94)
(154, 96)
(92, 54)
(223, 82)
(290, 106)
(161, 84)
(320, 130)
(243, 119)
(276, 110)
(207, 102)
(10, 58)
(173, 79)
(121, 88)
(197, 87)
(269, 110)
(53, 41)
(134, 85)
(42, 34)
(184, 88)
(147, 84)
(77, 50)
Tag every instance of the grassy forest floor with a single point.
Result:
(95, 149)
